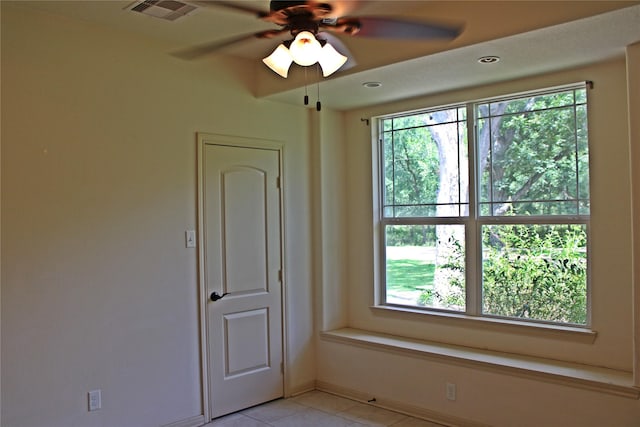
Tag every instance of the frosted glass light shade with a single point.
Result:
(279, 61)
(330, 60)
(305, 49)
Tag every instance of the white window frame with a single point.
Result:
(473, 222)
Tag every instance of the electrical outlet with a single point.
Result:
(451, 391)
(95, 400)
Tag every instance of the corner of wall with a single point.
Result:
(0, 250)
(330, 168)
(633, 89)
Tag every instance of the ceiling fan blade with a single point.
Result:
(341, 48)
(395, 28)
(207, 48)
(236, 5)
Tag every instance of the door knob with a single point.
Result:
(216, 296)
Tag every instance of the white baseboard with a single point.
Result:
(396, 406)
(300, 388)
(196, 421)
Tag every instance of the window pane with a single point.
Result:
(583, 160)
(426, 165)
(414, 210)
(425, 266)
(413, 167)
(404, 122)
(387, 144)
(535, 271)
(527, 207)
(526, 103)
(533, 156)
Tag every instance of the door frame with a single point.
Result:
(204, 139)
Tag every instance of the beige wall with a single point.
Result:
(633, 82)
(0, 247)
(329, 239)
(498, 399)
(98, 186)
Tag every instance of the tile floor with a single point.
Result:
(317, 409)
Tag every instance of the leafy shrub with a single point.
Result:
(535, 271)
(529, 271)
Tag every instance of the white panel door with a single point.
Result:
(242, 254)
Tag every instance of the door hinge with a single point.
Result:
(280, 275)
(282, 367)
(278, 182)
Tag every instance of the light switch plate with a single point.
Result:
(190, 238)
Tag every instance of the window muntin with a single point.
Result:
(516, 246)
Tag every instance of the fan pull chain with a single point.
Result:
(318, 105)
(306, 96)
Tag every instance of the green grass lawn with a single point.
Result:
(409, 275)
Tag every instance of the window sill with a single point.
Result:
(564, 333)
(610, 381)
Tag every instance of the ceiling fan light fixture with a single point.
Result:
(279, 61)
(305, 49)
(330, 60)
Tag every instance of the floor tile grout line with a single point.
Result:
(323, 406)
(354, 404)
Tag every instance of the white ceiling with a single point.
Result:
(531, 37)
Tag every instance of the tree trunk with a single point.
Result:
(452, 199)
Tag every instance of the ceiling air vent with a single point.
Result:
(164, 9)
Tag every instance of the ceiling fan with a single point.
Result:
(312, 25)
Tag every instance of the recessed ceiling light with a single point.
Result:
(490, 59)
(371, 84)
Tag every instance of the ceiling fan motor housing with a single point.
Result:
(298, 16)
(277, 5)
